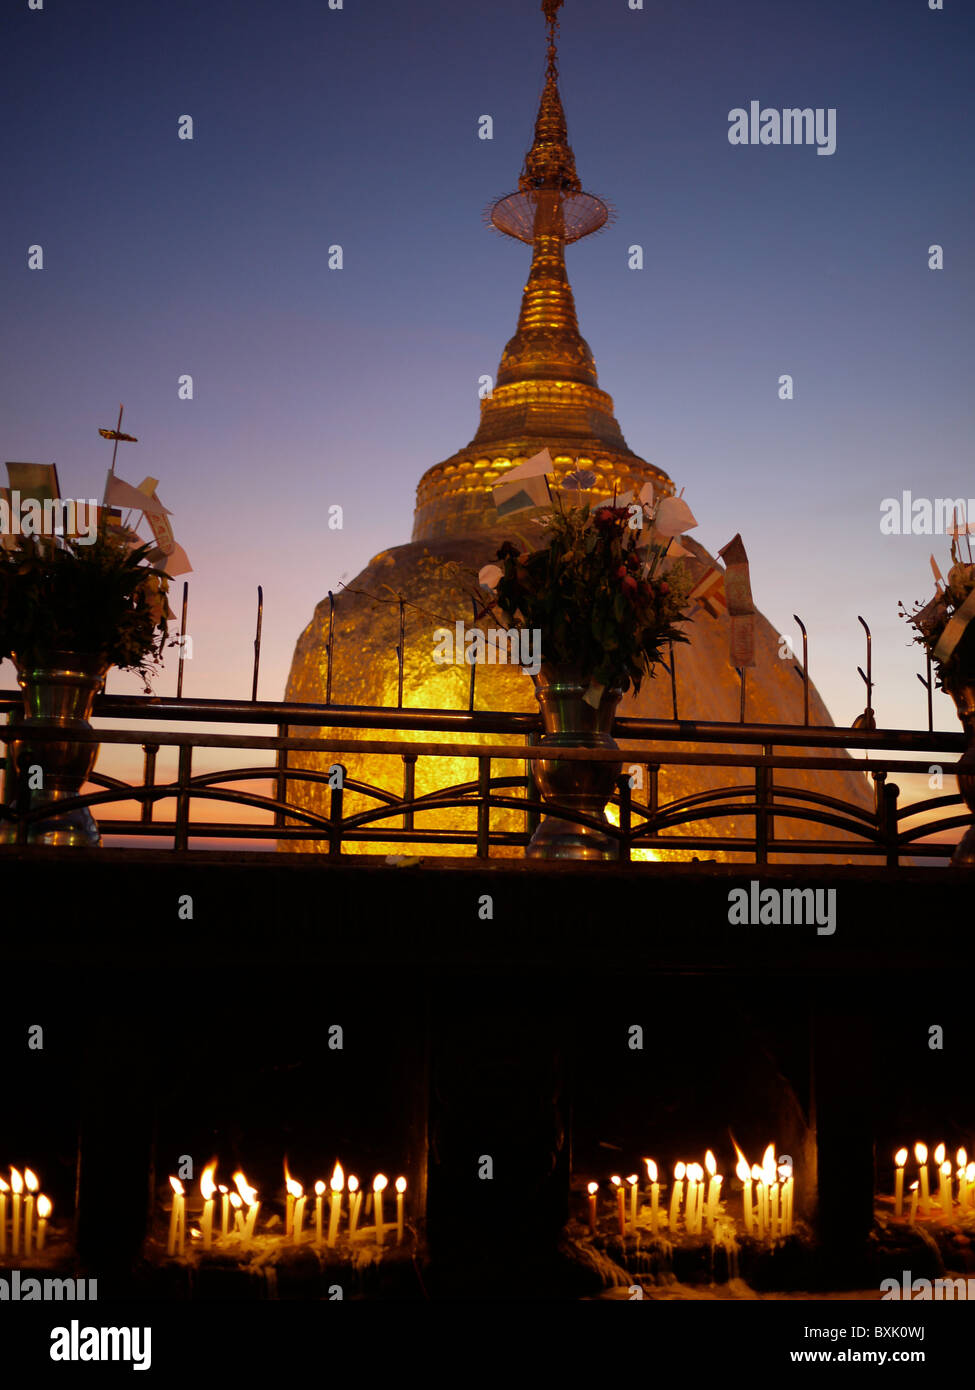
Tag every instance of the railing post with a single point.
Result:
(151, 751)
(768, 750)
(483, 808)
(181, 836)
(532, 790)
(335, 812)
(761, 815)
(281, 781)
(625, 791)
(891, 793)
(409, 787)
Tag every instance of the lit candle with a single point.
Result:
(224, 1213)
(355, 1202)
(785, 1195)
(946, 1190)
(337, 1185)
(675, 1195)
(237, 1203)
(293, 1190)
(961, 1158)
(695, 1194)
(299, 1212)
(913, 1216)
(4, 1189)
(17, 1184)
(921, 1154)
(593, 1189)
(319, 1193)
(970, 1184)
(634, 1182)
(900, 1158)
(31, 1183)
(744, 1175)
(247, 1224)
(177, 1218)
(207, 1188)
(400, 1194)
(761, 1208)
(43, 1212)
(617, 1182)
(714, 1187)
(654, 1193)
(378, 1187)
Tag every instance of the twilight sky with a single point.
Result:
(358, 126)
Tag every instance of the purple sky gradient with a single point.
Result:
(359, 127)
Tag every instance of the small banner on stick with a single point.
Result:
(741, 609)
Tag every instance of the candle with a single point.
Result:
(400, 1194)
(714, 1187)
(593, 1189)
(31, 1183)
(744, 1175)
(961, 1158)
(177, 1218)
(675, 1195)
(17, 1184)
(695, 1193)
(654, 1193)
(237, 1204)
(617, 1182)
(355, 1202)
(337, 1185)
(245, 1224)
(299, 1212)
(207, 1188)
(787, 1191)
(913, 1215)
(43, 1212)
(378, 1186)
(970, 1185)
(225, 1214)
(921, 1154)
(294, 1191)
(634, 1182)
(250, 1225)
(319, 1193)
(760, 1200)
(4, 1189)
(946, 1190)
(900, 1158)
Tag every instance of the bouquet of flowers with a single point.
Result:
(99, 597)
(604, 589)
(942, 626)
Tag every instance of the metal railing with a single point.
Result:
(885, 830)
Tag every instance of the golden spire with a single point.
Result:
(546, 392)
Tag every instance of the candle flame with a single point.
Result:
(900, 1157)
(223, 1189)
(921, 1152)
(235, 1201)
(4, 1187)
(30, 1178)
(16, 1182)
(695, 1172)
(616, 1180)
(679, 1170)
(337, 1183)
(785, 1169)
(741, 1157)
(207, 1186)
(939, 1155)
(400, 1184)
(743, 1171)
(633, 1179)
(248, 1193)
(177, 1186)
(710, 1163)
(353, 1183)
(946, 1169)
(593, 1188)
(380, 1182)
(970, 1173)
(913, 1187)
(757, 1174)
(651, 1169)
(319, 1188)
(44, 1207)
(295, 1189)
(961, 1158)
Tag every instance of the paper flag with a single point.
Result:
(709, 592)
(119, 493)
(936, 572)
(117, 434)
(741, 609)
(35, 480)
(520, 496)
(174, 562)
(534, 467)
(673, 517)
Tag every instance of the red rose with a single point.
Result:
(629, 585)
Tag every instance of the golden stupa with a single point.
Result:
(546, 395)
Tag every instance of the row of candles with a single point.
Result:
(768, 1195)
(920, 1189)
(239, 1210)
(25, 1198)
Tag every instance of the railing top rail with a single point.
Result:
(151, 707)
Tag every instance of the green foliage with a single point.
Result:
(596, 595)
(100, 598)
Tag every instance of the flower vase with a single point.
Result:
(577, 784)
(59, 689)
(963, 694)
